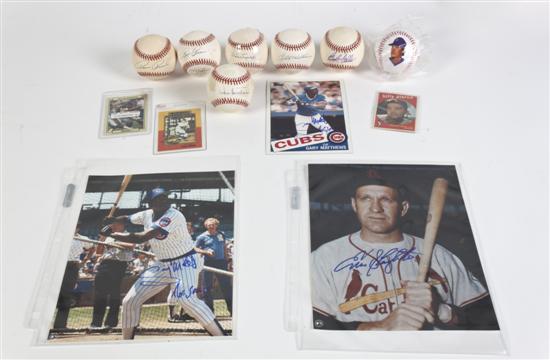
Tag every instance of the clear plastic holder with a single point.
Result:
(414, 41)
(298, 301)
(42, 306)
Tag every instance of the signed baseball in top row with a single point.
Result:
(247, 48)
(396, 52)
(342, 48)
(230, 88)
(292, 50)
(154, 57)
(199, 52)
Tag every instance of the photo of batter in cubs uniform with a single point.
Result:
(309, 103)
(377, 256)
(177, 264)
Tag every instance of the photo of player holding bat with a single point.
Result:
(307, 116)
(393, 273)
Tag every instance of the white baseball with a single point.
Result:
(342, 48)
(230, 88)
(154, 57)
(247, 48)
(199, 52)
(292, 51)
(396, 52)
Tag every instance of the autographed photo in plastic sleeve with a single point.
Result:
(306, 116)
(392, 249)
(151, 257)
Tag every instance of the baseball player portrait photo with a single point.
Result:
(392, 249)
(307, 116)
(133, 259)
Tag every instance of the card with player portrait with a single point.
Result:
(396, 112)
(390, 247)
(307, 116)
(147, 252)
(125, 113)
(180, 127)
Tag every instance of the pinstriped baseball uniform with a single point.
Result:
(349, 267)
(177, 265)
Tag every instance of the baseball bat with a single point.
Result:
(115, 245)
(123, 186)
(287, 88)
(357, 302)
(435, 210)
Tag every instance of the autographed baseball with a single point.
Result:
(396, 52)
(247, 48)
(342, 48)
(199, 52)
(292, 51)
(154, 57)
(230, 88)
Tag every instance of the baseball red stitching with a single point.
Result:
(292, 66)
(153, 57)
(151, 74)
(250, 65)
(231, 81)
(340, 66)
(293, 47)
(247, 45)
(198, 42)
(229, 101)
(343, 48)
(194, 62)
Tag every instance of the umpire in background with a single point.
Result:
(213, 241)
(108, 280)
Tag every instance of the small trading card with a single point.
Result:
(373, 254)
(396, 112)
(155, 265)
(180, 127)
(307, 116)
(125, 113)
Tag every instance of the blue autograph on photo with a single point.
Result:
(173, 266)
(380, 259)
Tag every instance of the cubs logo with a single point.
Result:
(164, 222)
(337, 137)
(298, 142)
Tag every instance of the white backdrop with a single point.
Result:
(483, 104)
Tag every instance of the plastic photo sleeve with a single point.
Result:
(390, 247)
(145, 252)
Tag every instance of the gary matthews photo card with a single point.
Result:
(307, 116)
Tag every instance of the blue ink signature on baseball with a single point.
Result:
(380, 259)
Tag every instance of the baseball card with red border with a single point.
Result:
(396, 112)
(179, 127)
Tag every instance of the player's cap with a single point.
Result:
(155, 193)
(397, 101)
(310, 87)
(379, 175)
(399, 41)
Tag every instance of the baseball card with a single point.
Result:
(152, 256)
(307, 116)
(180, 127)
(396, 112)
(392, 248)
(125, 113)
